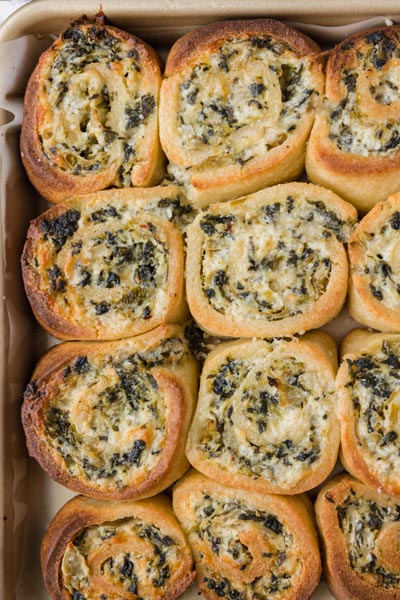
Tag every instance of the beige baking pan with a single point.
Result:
(28, 498)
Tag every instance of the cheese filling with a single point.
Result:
(374, 385)
(380, 264)
(363, 522)
(248, 553)
(106, 421)
(97, 106)
(366, 121)
(285, 260)
(128, 558)
(248, 97)
(266, 417)
(104, 265)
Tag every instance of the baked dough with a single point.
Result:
(110, 419)
(237, 105)
(111, 550)
(354, 147)
(368, 388)
(360, 530)
(266, 417)
(91, 113)
(248, 546)
(106, 265)
(270, 264)
(374, 251)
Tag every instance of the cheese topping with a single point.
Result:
(107, 265)
(248, 553)
(267, 416)
(105, 419)
(380, 264)
(98, 105)
(366, 121)
(374, 385)
(286, 257)
(128, 558)
(363, 523)
(241, 101)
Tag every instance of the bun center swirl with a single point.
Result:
(95, 103)
(107, 417)
(106, 263)
(372, 536)
(126, 558)
(285, 251)
(244, 548)
(252, 405)
(247, 97)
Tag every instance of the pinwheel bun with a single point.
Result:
(360, 530)
(269, 264)
(237, 105)
(368, 391)
(106, 265)
(90, 113)
(354, 147)
(251, 394)
(248, 545)
(94, 547)
(110, 419)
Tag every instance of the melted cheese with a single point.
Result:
(285, 264)
(266, 417)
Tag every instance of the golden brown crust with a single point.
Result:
(110, 419)
(375, 268)
(218, 519)
(251, 393)
(237, 152)
(367, 395)
(334, 505)
(49, 171)
(357, 156)
(81, 513)
(293, 272)
(105, 265)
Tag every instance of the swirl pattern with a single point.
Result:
(369, 396)
(111, 420)
(360, 529)
(131, 550)
(292, 275)
(90, 103)
(247, 546)
(237, 104)
(106, 265)
(251, 394)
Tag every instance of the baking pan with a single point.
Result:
(29, 499)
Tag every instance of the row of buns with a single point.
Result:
(243, 105)
(111, 264)
(243, 545)
(234, 114)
